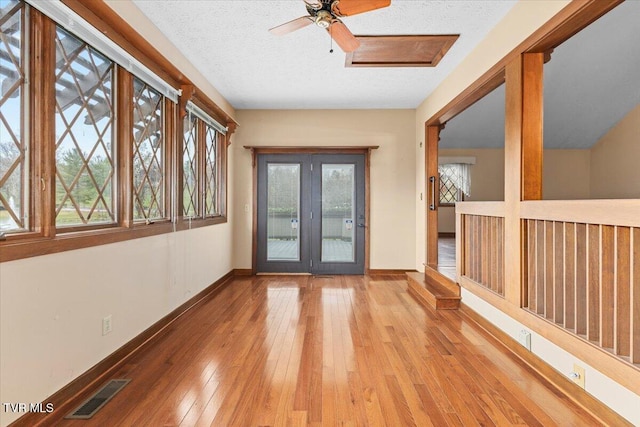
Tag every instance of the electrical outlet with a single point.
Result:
(106, 325)
(524, 338)
(577, 375)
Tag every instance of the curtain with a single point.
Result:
(459, 174)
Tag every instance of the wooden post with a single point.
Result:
(523, 163)
(432, 136)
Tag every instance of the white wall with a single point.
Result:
(51, 307)
(620, 399)
(392, 171)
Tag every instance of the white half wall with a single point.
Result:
(620, 399)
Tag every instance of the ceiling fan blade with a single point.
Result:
(292, 26)
(353, 7)
(345, 39)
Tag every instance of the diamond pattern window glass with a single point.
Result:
(14, 163)
(148, 153)
(84, 134)
(449, 192)
(211, 172)
(190, 167)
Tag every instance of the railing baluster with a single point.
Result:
(533, 270)
(635, 297)
(558, 269)
(622, 291)
(548, 271)
(540, 267)
(593, 281)
(607, 285)
(582, 263)
(569, 276)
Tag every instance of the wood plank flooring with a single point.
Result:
(447, 257)
(347, 350)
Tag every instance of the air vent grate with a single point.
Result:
(98, 400)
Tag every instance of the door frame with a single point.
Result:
(256, 150)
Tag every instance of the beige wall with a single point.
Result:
(393, 196)
(487, 181)
(566, 174)
(51, 307)
(521, 21)
(614, 160)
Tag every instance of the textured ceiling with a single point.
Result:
(591, 83)
(229, 43)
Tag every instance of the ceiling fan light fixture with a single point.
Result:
(323, 19)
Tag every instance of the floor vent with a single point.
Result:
(98, 400)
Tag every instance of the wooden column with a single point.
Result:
(532, 110)
(432, 136)
(523, 162)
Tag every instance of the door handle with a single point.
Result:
(432, 205)
(361, 225)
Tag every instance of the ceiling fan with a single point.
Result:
(327, 13)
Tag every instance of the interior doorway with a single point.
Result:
(311, 213)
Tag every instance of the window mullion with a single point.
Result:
(42, 125)
(170, 121)
(201, 172)
(221, 182)
(124, 155)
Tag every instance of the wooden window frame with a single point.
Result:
(201, 219)
(44, 237)
(165, 161)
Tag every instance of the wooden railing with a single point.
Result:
(480, 240)
(581, 270)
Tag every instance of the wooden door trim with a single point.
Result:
(366, 150)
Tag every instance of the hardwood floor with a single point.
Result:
(447, 257)
(347, 350)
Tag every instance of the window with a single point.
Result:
(89, 148)
(14, 163)
(148, 153)
(190, 167)
(454, 182)
(211, 172)
(203, 165)
(84, 134)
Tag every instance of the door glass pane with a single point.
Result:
(283, 212)
(338, 215)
